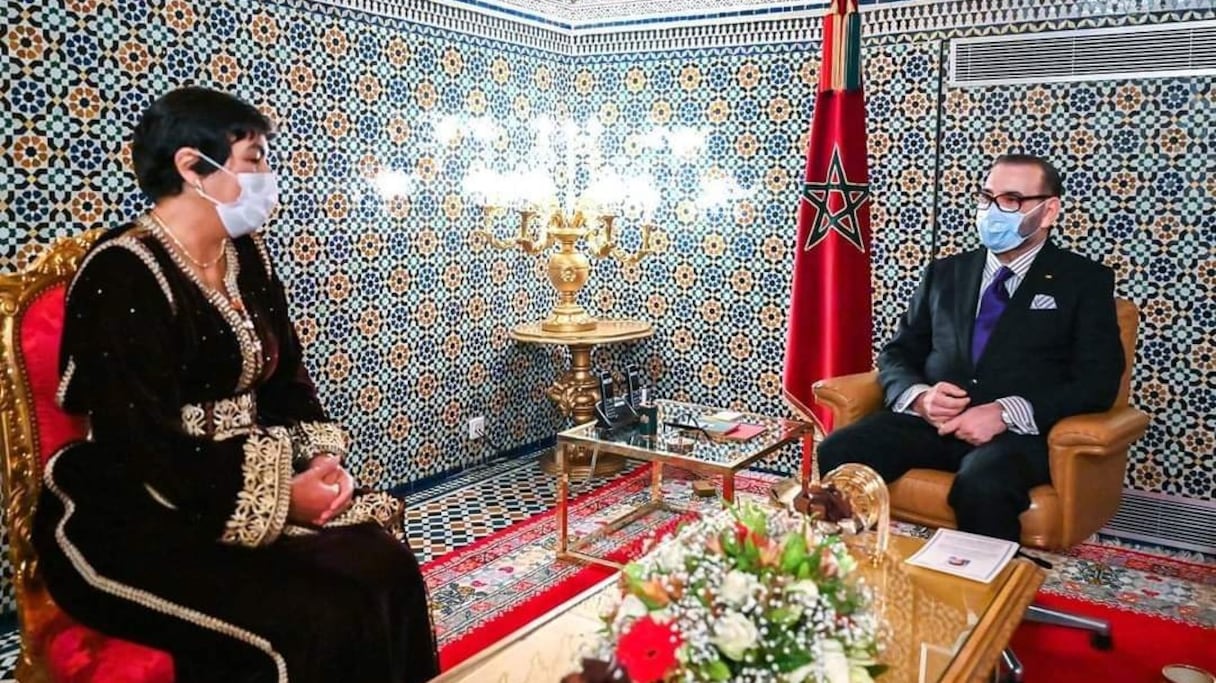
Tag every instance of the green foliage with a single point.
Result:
(794, 553)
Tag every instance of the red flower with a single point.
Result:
(742, 533)
(648, 650)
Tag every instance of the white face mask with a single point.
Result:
(251, 210)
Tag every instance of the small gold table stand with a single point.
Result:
(577, 390)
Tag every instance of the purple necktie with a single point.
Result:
(992, 305)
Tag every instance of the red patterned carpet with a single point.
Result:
(1142, 645)
(483, 592)
(1163, 609)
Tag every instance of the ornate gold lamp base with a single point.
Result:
(576, 392)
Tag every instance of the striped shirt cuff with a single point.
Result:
(903, 404)
(1020, 414)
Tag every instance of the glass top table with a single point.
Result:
(936, 628)
(696, 449)
(692, 448)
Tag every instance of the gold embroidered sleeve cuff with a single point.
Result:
(312, 438)
(261, 505)
(377, 506)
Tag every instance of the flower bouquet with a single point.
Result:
(751, 595)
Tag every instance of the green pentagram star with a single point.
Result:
(844, 219)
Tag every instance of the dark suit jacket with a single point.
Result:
(1064, 361)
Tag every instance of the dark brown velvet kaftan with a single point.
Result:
(169, 526)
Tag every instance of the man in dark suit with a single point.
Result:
(997, 345)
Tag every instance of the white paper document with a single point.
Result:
(971, 556)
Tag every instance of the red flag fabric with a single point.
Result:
(830, 326)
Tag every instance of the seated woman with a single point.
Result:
(209, 514)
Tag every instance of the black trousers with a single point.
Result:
(993, 481)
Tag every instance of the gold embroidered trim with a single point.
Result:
(295, 530)
(144, 598)
(242, 327)
(322, 437)
(264, 253)
(222, 419)
(379, 507)
(61, 393)
(158, 497)
(141, 252)
(261, 504)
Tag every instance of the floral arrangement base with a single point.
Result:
(753, 595)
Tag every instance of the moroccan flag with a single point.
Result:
(830, 326)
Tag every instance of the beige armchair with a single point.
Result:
(1088, 458)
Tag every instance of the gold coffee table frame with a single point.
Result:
(707, 456)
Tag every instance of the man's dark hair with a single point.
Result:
(202, 118)
(1052, 184)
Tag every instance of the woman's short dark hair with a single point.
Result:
(202, 118)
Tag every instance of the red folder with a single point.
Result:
(746, 432)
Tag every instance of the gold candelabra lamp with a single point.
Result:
(568, 268)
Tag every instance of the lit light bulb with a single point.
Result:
(391, 184)
(543, 125)
(655, 137)
(606, 192)
(686, 142)
(484, 129)
(719, 190)
(447, 130)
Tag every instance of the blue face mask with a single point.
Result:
(1001, 231)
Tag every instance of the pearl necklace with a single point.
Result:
(182, 248)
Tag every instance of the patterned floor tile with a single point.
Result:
(482, 501)
(10, 649)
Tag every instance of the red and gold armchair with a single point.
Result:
(54, 648)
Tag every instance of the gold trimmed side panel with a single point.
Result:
(22, 476)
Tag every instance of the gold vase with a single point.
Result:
(568, 269)
(871, 502)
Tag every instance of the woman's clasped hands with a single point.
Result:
(321, 492)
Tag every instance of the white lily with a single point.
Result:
(734, 634)
(835, 664)
(736, 588)
(631, 608)
(801, 674)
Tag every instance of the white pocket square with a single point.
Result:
(1043, 302)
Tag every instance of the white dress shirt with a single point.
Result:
(1016, 411)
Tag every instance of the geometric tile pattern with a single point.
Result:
(10, 652)
(484, 500)
(405, 321)
(1140, 178)
(476, 507)
(1092, 570)
(718, 288)
(1141, 193)
(640, 20)
(403, 337)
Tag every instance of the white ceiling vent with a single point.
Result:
(1177, 49)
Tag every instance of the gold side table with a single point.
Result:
(576, 392)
